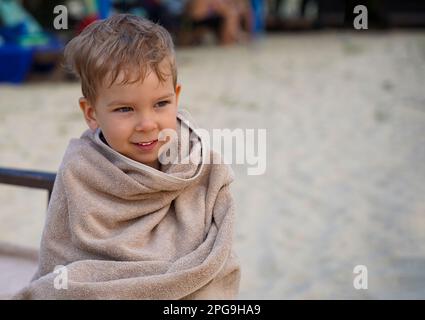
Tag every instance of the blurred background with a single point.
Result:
(344, 111)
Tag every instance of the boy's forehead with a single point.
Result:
(136, 73)
(150, 87)
(134, 79)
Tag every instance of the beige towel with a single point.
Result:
(126, 231)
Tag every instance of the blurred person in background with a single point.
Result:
(236, 17)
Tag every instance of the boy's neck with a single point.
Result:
(103, 138)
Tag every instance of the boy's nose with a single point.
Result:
(146, 124)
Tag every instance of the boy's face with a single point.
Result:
(135, 113)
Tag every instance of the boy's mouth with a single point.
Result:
(147, 145)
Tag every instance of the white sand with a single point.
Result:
(345, 179)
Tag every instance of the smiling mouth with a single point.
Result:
(146, 146)
(148, 143)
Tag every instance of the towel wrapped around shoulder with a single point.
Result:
(118, 229)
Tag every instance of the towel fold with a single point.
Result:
(124, 230)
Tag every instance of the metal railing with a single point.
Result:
(28, 178)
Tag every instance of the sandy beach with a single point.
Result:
(345, 177)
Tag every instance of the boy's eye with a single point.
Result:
(162, 103)
(123, 109)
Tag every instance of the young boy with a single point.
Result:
(123, 223)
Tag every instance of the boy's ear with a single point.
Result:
(178, 89)
(89, 113)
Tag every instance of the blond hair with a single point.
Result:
(122, 43)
